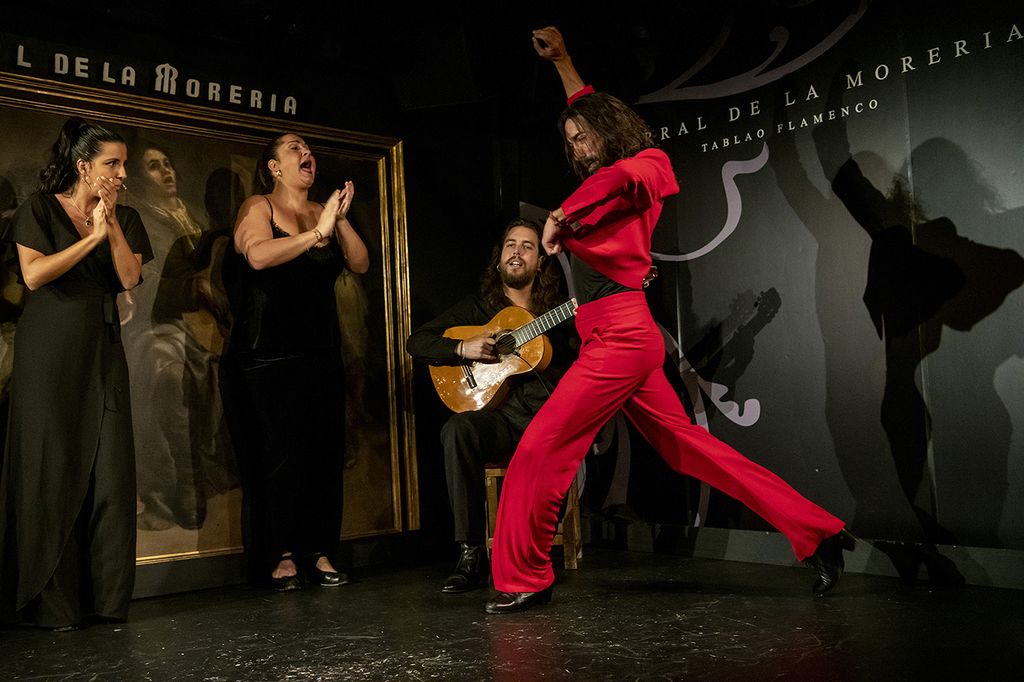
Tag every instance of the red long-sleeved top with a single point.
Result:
(585, 90)
(614, 212)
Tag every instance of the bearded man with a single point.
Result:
(518, 274)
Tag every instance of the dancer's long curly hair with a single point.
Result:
(621, 132)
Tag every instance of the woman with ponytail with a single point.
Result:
(67, 487)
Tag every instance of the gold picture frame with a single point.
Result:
(214, 153)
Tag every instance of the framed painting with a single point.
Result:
(189, 169)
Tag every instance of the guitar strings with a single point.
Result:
(540, 377)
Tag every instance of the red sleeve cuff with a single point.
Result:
(586, 90)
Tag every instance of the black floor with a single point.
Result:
(624, 616)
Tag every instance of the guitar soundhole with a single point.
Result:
(505, 344)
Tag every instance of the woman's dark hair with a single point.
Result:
(543, 296)
(619, 131)
(78, 139)
(264, 180)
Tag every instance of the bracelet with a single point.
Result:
(563, 223)
(319, 236)
(458, 351)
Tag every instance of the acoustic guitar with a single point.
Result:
(521, 346)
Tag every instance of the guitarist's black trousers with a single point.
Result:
(471, 440)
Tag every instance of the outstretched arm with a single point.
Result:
(549, 44)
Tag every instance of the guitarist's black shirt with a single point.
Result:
(528, 391)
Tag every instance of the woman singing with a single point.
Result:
(67, 490)
(285, 381)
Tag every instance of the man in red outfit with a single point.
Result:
(606, 225)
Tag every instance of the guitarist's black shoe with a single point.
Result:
(470, 573)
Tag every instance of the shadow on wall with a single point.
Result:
(923, 274)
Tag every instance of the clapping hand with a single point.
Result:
(103, 212)
(345, 198)
(336, 209)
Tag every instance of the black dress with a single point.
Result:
(284, 397)
(67, 488)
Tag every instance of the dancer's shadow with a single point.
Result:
(854, 372)
(922, 276)
(970, 426)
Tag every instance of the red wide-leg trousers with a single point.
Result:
(620, 366)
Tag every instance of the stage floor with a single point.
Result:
(624, 616)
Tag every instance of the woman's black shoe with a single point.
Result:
(511, 602)
(470, 573)
(329, 578)
(827, 560)
(324, 578)
(288, 583)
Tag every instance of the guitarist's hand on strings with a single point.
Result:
(479, 348)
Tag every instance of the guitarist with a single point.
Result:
(518, 274)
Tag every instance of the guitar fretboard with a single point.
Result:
(539, 325)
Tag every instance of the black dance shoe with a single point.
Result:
(329, 578)
(324, 578)
(511, 602)
(827, 560)
(471, 571)
(289, 583)
(286, 583)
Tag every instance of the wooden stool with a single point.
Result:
(568, 532)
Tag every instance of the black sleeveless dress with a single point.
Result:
(284, 398)
(67, 487)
